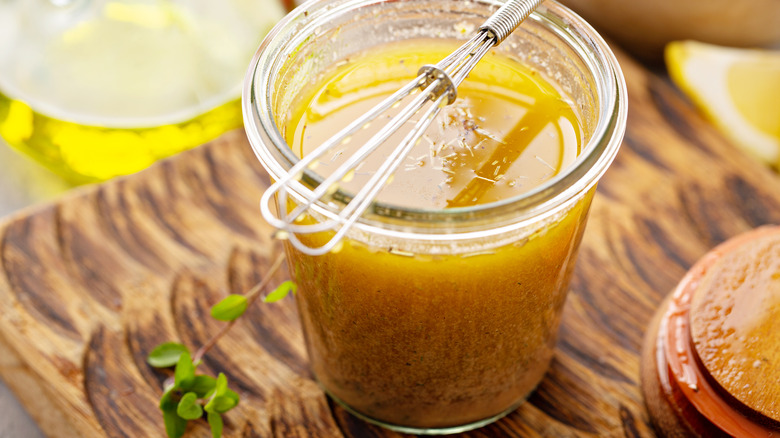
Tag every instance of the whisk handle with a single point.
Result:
(508, 17)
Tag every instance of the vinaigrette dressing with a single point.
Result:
(419, 337)
(508, 132)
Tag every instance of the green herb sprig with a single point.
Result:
(187, 395)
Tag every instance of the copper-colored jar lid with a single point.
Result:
(735, 321)
(711, 361)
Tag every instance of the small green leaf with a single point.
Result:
(281, 291)
(222, 399)
(184, 374)
(232, 395)
(230, 308)
(221, 385)
(223, 403)
(215, 421)
(188, 408)
(202, 385)
(174, 424)
(166, 354)
(220, 404)
(167, 401)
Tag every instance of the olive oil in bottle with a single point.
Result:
(98, 88)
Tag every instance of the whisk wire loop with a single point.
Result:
(438, 85)
(292, 178)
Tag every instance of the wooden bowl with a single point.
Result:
(644, 27)
(711, 357)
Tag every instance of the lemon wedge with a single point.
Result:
(737, 89)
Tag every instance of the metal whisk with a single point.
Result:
(439, 85)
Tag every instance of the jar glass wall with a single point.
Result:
(437, 321)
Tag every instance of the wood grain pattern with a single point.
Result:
(90, 284)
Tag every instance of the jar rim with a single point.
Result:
(577, 178)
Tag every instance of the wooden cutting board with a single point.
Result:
(91, 283)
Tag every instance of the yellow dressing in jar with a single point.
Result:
(432, 336)
(508, 132)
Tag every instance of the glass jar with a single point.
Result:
(439, 321)
(93, 89)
